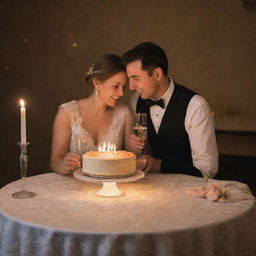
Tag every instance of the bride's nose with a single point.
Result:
(120, 91)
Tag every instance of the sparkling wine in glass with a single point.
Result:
(140, 126)
(140, 131)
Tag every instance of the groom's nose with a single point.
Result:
(132, 85)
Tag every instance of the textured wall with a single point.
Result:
(46, 45)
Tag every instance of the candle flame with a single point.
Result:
(22, 103)
(107, 147)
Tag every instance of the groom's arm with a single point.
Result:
(179, 166)
(170, 166)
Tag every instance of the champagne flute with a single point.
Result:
(140, 127)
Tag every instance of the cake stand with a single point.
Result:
(109, 187)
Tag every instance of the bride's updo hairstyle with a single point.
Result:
(108, 66)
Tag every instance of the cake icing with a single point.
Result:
(109, 163)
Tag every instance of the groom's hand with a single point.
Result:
(136, 143)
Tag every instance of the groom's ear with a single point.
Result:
(158, 73)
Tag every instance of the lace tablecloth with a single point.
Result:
(155, 217)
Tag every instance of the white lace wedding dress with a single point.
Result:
(114, 135)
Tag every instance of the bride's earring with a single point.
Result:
(96, 92)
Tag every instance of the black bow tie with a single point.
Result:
(151, 103)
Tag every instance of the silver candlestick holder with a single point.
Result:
(23, 194)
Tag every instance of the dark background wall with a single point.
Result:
(46, 45)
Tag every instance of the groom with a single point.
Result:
(180, 123)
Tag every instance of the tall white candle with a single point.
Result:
(23, 122)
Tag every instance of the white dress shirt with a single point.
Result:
(199, 125)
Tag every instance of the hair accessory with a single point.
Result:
(91, 71)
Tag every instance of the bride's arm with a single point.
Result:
(61, 161)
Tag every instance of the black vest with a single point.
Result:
(171, 142)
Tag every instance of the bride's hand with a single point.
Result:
(71, 162)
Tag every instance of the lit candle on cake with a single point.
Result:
(23, 122)
(108, 149)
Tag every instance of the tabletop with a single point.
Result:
(154, 217)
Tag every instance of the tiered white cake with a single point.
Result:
(109, 164)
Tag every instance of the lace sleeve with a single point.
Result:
(71, 108)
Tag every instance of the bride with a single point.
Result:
(90, 122)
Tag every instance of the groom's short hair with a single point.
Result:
(151, 56)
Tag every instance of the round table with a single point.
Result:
(155, 217)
